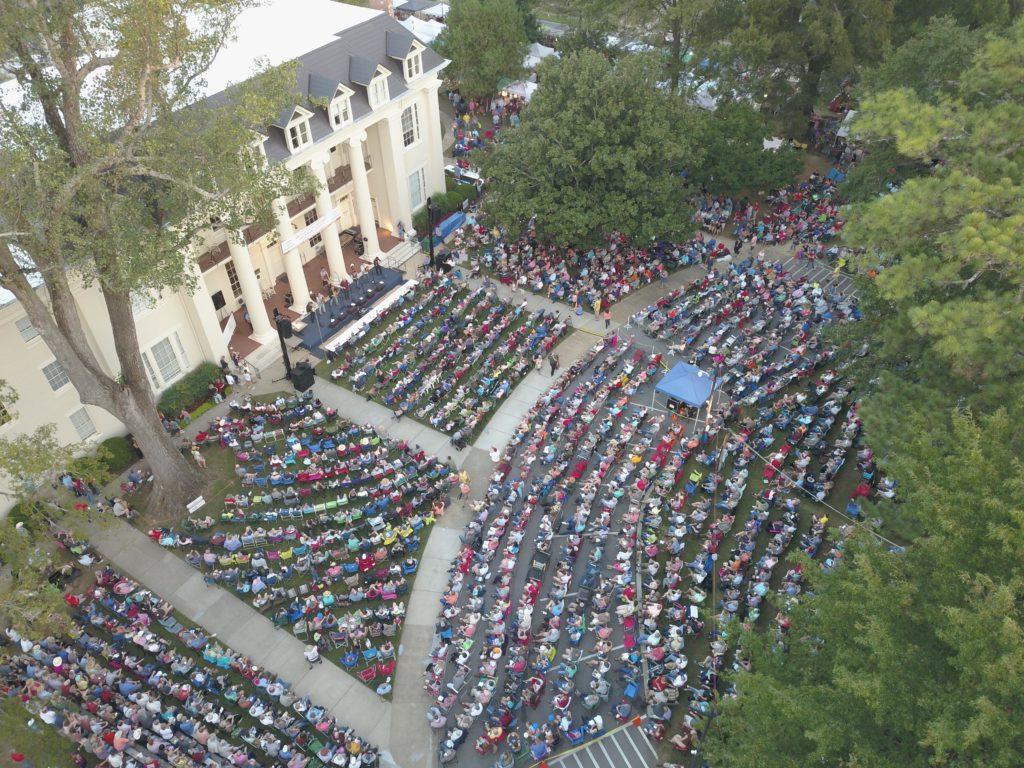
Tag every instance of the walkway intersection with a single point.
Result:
(398, 727)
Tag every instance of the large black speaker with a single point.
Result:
(284, 327)
(302, 376)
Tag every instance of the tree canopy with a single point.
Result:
(112, 164)
(600, 148)
(486, 41)
(915, 659)
(906, 660)
(735, 159)
(949, 239)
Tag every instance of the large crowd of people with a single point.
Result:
(446, 355)
(133, 687)
(588, 279)
(624, 523)
(322, 529)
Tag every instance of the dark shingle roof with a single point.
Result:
(415, 6)
(398, 44)
(351, 60)
(361, 70)
(320, 87)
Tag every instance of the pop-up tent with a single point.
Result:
(426, 30)
(686, 383)
(536, 54)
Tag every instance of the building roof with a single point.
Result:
(414, 6)
(398, 43)
(341, 47)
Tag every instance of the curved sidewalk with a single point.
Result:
(239, 626)
(398, 727)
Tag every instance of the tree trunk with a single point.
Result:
(130, 400)
(676, 52)
(176, 479)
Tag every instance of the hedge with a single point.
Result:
(190, 392)
(444, 204)
(121, 454)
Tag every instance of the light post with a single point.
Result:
(430, 230)
(284, 331)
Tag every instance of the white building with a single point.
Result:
(369, 129)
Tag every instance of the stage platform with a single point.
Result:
(366, 291)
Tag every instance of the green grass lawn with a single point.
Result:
(42, 746)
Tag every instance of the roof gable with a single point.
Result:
(287, 114)
(361, 70)
(398, 44)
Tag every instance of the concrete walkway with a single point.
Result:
(399, 727)
(237, 625)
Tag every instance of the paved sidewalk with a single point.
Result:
(399, 727)
(236, 624)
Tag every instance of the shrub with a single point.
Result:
(444, 205)
(190, 392)
(120, 454)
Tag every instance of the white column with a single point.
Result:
(292, 259)
(399, 178)
(205, 321)
(435, 153)
(262, 330)
(324, 206)
(364, 208)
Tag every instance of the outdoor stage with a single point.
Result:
(342, 311)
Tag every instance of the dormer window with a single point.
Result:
(298, 134)
(341, 108)
(413, 64)
(297, 129)
(378, 90)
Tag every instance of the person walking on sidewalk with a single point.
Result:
(554, 363)
(312, 654)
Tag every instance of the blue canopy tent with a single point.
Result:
(687, 384)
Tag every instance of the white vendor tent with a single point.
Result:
(844, 127)
(537, 54)
(522, 88)
(425, 30)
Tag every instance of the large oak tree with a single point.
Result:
(600, 148)
(111, 163)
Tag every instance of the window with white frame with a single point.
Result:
(166, 360)
(5, 415)
(318, 238)
(413, 65)
(341, 110)
(55, 375)
(379, 91)
(142, 302)
(233, 279)
(410, 125)
(82, 423)
(182, 355)
(153, 381)
(26, 329)
(298, 134)
(417, 189)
